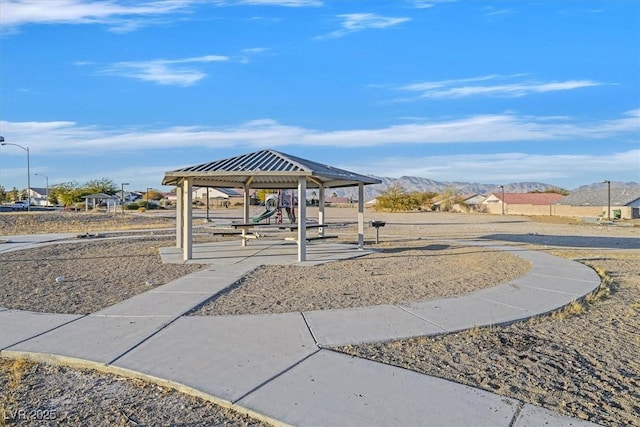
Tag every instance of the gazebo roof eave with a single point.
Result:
(263, 180)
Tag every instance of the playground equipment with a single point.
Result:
(274, 205)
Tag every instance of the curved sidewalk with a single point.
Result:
(277, 366)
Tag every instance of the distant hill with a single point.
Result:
(614, 184)
(412, 183)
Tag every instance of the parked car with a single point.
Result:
(20, 205)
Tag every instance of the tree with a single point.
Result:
(3, 194)
(152, 195)
(66, 193)
(103, 185)
(262, 194)
(449, 197)
(395, 198)
(555, 190)
(13, 194)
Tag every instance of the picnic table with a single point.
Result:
(245, 227)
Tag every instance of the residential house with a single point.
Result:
(624, 202)
(128, 196)
(39, 196)
(218, 197)
(521, 203)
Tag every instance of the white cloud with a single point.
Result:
(573, 169)
(73, 138)
(354, 22)
(163, 71)
(502, 87)
(286, 3)
(119, 14)
(425, 4)
(493, 12)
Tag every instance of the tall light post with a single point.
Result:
(122, 196)
(502, 187)
(47, 178)
(28, 170)
(148, 189)
(608, 199)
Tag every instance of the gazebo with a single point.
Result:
(265, 169)
(97, 199)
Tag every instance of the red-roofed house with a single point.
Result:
(522, 203)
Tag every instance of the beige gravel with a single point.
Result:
(50, 395)
(405, 272)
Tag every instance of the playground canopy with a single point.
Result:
(265, 169)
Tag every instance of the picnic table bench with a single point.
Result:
(245, 227)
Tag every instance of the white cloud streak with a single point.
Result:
(285, 3)
(354, 22)
(508, 167)
(426, 4)
(120, 15)
(73, 138)
(473, 86)
(164, 71)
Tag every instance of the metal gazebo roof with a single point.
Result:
(266, 169)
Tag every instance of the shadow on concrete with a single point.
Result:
(569, 241)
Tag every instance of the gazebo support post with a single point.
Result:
(245, 214)
(360, 216)
(321, 210)
(179, 217)
(302, 219)
(187, 209)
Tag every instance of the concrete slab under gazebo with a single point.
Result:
(265, 169)
(98, 198)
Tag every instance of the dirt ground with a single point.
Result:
(582, 361)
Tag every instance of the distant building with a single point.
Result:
(625, 203)
(218, 197)
(521, 203)
(39, 196)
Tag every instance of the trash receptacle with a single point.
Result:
(617, 213)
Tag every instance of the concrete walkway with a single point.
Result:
(278, 366)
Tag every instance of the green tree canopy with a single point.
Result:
(102, 185)
(396, 198)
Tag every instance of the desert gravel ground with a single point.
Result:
(59, 395)
(97, 274)
(405, 272)
(582, 361)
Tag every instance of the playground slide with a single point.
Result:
(266, 214)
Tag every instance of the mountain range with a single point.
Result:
(413, 183)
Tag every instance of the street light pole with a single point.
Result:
(502, 186)
(47, 178)
(28, 170)
(122, 196)
(608, 199)
(148, 189)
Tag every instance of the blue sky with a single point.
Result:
(477, 91)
